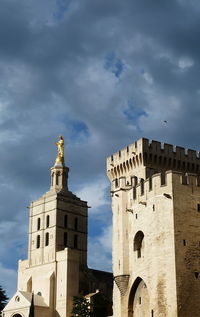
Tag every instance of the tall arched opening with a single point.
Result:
(16, 315)
(138, 305)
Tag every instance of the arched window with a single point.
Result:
(65, 239)
(138, 243)
(38, 223)
(17, 315)
(38, 242)
(76, 223)
(142, 186)
(65, 221)
(52, 177)
(75, 241)
(57, 178)
(46, 239)
(47, 221)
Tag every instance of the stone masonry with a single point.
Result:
(155, 192)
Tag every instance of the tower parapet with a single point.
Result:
(145, 157)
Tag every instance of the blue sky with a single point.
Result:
(102, 74)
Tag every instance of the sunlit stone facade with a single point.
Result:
(56, 267)
(155, 192)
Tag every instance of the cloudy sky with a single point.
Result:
(101, 73)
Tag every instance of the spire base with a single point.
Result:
(59, 177)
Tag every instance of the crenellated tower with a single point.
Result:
(155, 191)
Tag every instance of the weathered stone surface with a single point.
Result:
(156, 230)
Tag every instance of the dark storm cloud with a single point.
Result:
(101, 73)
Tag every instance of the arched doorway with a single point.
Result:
(16, 315)
(138, 305)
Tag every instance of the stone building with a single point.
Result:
(155, 192)
(56, 268)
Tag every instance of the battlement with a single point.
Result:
(162, 183)
(154, 156)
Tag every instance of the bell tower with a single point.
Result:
(56, 268)
(58, 219)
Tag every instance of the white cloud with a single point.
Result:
(106, 239)
(148, 78)
(185, 62)
(94, 194)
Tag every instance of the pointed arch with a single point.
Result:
(138, 302)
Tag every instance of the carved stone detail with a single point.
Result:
(122, 283)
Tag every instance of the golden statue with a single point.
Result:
(60, 149)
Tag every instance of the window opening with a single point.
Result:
(142, 186)
(152, 313)
(134, 192)
(57, 178)
(153, 207)
(65, 239)
(38, 242)
(196, 274)
(76, 223)
(150, 183)
(184, 179)
(52, 177)
(163, 180)
(47, 239)
(65, 221)
(198, 207)
(138, 243)
(184, 242)
(139, 253)
(75, 241)
(38, 223)
(47, 221)
(140, 300)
